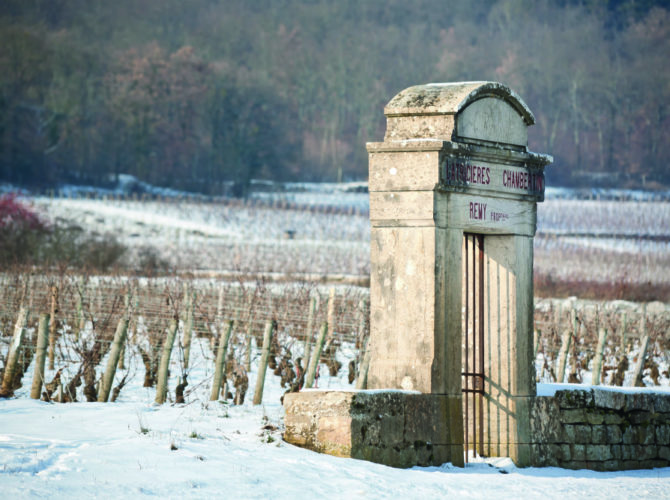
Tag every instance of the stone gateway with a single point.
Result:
(453, 194)
(453, 204)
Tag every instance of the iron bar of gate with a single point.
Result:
(466, 390)
(481, 344)
(475, 308)
(474, 316)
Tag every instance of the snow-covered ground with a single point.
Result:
(134, 448)
(125, 450)
(600, 241)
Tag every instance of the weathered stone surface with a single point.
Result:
(594, 417)
(576, 464)
(599, 452)
(647, 434)
(608, 431)
(609, 399)
(391, 427)
(627, 452)
(492, 120)
(565, 453)
(578, 452)
(641, 417)
(631, 435)
(640, 401)
(663, 435)
(574, 399)
(614, 434)
(611, 465)
(568, 435)
(431, 111)
(574, 416)
(599, 434)
(652, 464)
(645, 452)
(662, 404)
(613, 418)
(545, 424)
(583, 434)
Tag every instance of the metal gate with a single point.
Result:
(473, 343)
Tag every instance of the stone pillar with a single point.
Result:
(454, 160)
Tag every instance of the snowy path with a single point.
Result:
(88, 449)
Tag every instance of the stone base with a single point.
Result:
(601, 429)
(395, 428)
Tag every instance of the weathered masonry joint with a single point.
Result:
(453, 194)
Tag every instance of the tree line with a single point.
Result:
(206, 94)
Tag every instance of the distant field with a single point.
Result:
(603, 249)
(216, 261)
(606, 249)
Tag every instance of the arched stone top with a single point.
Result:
(485, 113)
(452, 98)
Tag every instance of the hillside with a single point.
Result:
(205, 95)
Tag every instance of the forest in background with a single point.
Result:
(202, 94)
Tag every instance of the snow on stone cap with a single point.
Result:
(451, 98)
(552, 389)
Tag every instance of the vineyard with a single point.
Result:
(210, 295)
(296, 261)
(85, 316)
(572, 337)
(588, 248)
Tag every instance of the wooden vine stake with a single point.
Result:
(331, 312)
(624, 326)
(220, 362)
(314, 360)
(113, 360)
(81, 319)
(313, 304)
(7, 388)
(188, 328)
(565, 347)
(639, 365)
(247, 354)
(161, 386)
(40, 356)
(262, 367)
(362, 380)
(52, 326)
(644, 343)
(598, 361)
(122, 352)
(219, 315)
